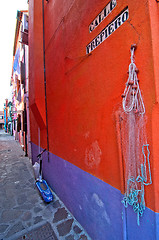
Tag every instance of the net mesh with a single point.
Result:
(134, 142)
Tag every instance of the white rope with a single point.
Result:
(132, 99)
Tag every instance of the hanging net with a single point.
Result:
(134, 143)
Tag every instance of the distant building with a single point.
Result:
(19, 81)
(10, 120)
(6, 115)
(1, 119)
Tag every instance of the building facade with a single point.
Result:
(5, 110)
(102, 149)
(19, 82)
(1, 119)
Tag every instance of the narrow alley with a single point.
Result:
(80, 106)
(23, 214)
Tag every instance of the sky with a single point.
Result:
(8, 13)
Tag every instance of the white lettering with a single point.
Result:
(108, 10)
(101, 36)
(88, 48)
(125, 16)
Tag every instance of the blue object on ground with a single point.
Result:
(44, 190)
(42, 184)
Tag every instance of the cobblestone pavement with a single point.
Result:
(23, 214)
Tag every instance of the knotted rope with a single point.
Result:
(135, 196)
(132, 99)
(133, 103)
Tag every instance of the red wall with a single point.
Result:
(36, 73)
(84, 91)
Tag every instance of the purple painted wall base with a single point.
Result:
(95, 204)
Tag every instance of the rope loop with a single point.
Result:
(132, 99)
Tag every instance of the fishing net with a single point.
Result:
(134, 143)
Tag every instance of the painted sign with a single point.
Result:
(102, 15)
(108, 30)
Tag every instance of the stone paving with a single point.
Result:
(23, 214)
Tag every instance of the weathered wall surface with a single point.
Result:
(86, 72)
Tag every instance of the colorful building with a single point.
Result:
(102, 158)
(5, 110)
(1, 119)
(19, 81)
(10, 120)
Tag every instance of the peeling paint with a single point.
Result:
(105, 215)
(93, 155)
(100, 207)
(98, 201)
(80, 207)
(86, 135)
(86, 198)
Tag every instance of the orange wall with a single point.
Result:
(154, 21)
(84, 91)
